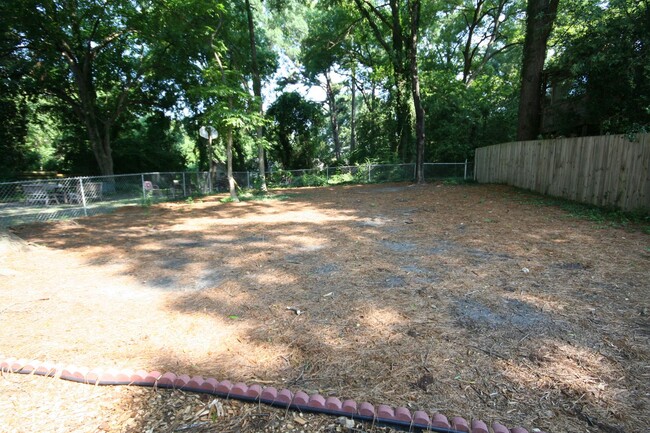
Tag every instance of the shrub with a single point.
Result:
(309, 180)
(341, 178)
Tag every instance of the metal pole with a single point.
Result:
(210, 164)
(184, 191)
(144, 192)
(248, 179)
(465, 175)
(83, 196)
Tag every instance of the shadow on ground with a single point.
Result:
(450, 299)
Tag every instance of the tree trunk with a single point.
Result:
(395, 51)
(231, 179)
(334, 123)
(400, 69)
(415, 86)
(353, 108)
(402, 116)
(100, 142)
(212, 165)
(539, 22)
(86, 110)
(257, 92)
(468, 52)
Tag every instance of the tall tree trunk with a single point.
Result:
(257, 92)
(353, 109)
(85, 108)
(468, 52)
(415, 86)
(402, 115)
(231, 179)
(212, 165)
(539, 22)
(100, 142)
(401, 71)
(396, 52)
(334, 123)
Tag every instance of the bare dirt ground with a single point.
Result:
(465, 300)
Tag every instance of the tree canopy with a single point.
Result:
(99, 87)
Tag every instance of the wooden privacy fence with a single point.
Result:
(607, 170)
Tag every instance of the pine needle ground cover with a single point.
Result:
(460, 299)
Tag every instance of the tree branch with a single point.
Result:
(373, 25)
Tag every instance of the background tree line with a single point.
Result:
(104, 87)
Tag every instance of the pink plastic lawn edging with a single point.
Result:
(400, 417)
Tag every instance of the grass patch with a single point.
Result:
(256, 196)
(458, 181)
(602, 216)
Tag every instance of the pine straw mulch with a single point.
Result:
(467, 300)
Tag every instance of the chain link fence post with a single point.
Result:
(144, 191)
(83, 196)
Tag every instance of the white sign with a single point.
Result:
(208, 132)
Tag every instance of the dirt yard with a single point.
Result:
(465, 300)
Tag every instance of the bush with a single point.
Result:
(309, 180)
(280, 178)
(341, 178)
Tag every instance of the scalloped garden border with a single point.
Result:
(399, 417)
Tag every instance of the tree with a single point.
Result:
(389, 33)
(16, 155)
(257, 92)
(486, 32)
(540, 15)
(148, 143)
(321, 51)
(295, 130)
(103, 58)
(599, 82)
(414, 14)
(403, 25)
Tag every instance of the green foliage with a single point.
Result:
(294, 132)
(16, 155)
(343, 178)
(604, 216)
(280, 177)
(148, 66)
(391, 173)
(601, 79)
(374, 138)
(102, 61)
(309, 180)
(467, 117)
(256, 196)
(150, 143)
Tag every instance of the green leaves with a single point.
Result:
(294, 131)
(600, 78)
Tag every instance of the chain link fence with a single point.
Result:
(64, 198)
